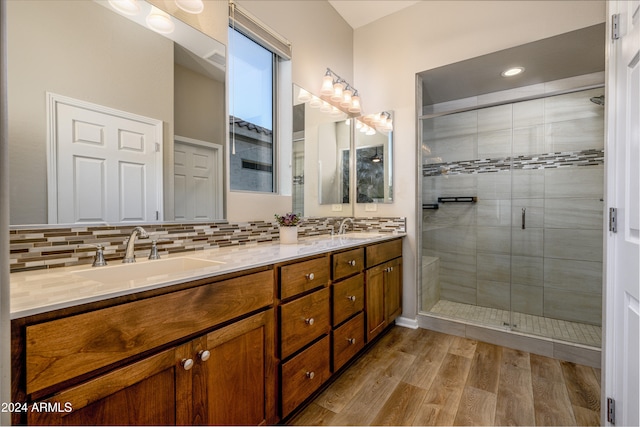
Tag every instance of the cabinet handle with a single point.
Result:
(310, 374)
(310, 321)
(309, 276)
(352, 263)
(186, 364)
(351, 340)
(204, 355)
(351, 298)
(388, 269)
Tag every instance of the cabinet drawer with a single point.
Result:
(348, 298)
(348, 340)
(382, 252)
(303, 276)
(347, 263)
(303, 320)
(66, 348)
(303, 374)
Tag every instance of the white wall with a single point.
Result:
(389, 52)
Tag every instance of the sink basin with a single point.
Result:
(144, 270)
(359, 236)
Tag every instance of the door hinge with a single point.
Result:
(611, 410)
(157, 215)
(615, 26)
(613, 220)
(157, 147)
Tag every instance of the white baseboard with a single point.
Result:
(405, 322)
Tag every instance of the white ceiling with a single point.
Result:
(361, 12)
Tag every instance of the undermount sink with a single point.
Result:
(359, 236)
(145, 269)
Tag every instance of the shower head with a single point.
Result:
(598, 100)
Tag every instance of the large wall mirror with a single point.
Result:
(103, 110)
(323, 142)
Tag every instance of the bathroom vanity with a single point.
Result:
(229, 336)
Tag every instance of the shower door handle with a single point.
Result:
(524, 217)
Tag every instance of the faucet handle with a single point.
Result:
(99, 260)
(154, 248)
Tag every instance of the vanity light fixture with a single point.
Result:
(128, 7)
(512, 71)
(340, 93)
(190, 6)
(327, 84)
(160, 21)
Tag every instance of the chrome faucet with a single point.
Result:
(129, 253)
(343, 225)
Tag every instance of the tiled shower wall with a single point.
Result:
(552, 267)
(61, 246)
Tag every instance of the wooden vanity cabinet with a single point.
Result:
(142, 393)
(305, 323)
(225, 375)
(383, 285)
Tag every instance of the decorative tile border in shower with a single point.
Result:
(539, 161)
(33, 248)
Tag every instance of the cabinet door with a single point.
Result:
(374, 295)
(393, 289)
(143, 393)
(233, 379)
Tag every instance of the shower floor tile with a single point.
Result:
(574, 332)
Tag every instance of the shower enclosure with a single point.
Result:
(512, 224)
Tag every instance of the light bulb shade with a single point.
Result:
(327, 85)
(315, 102)
(355, 104)
(326, 107)
(160, 22)
(338, 88)
(128, 7)
(304, 96)
(335, 112)
(370, 131)
(190, 6)
(346, 98)
(358, 124)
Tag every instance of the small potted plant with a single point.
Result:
(288, 224)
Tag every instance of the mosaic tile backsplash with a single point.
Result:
(590, 157)
(49, 247)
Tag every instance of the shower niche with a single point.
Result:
(512, 218)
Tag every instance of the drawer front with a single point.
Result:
(304, 374)
(348, 340)
(381, 252)
(303, 276)
(303, 320)
(348, 298)
(65, 348)
(348, 263)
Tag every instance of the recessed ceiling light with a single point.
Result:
(512, 71)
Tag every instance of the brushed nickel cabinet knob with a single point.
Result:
(310, 276)
(351, 340)
(204, 355)
(187, 364)
(351, 298)
(310, 321)
(310, 374)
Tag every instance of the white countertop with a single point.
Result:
(40, 291)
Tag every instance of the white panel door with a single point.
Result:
(197, 180)
(106, 164)
(622, 339)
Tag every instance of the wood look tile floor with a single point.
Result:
(422, 377)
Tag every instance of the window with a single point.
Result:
(252, 70)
